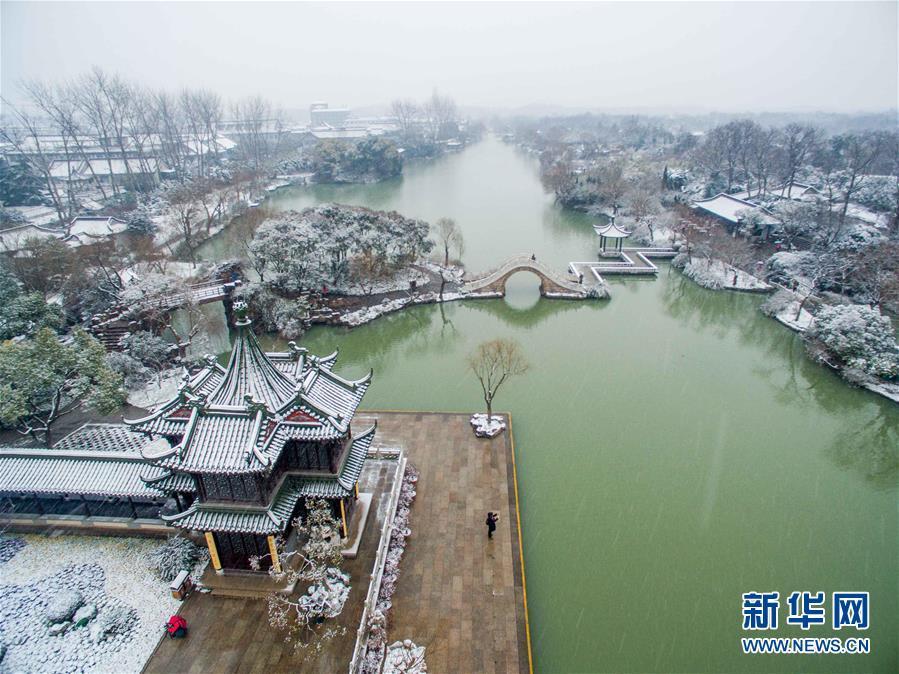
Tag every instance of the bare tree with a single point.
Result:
(35, 156)
(493, 363)
(405, 111)
(798, 142)
(319, 559)
(449, 236)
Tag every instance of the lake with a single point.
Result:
(675, 447)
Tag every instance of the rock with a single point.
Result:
(59, 628)
(63, 605)
(84, 615)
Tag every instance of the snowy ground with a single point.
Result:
(111, 573)
(154, 394)
(401, 281)
(717, 275)
(788, 317)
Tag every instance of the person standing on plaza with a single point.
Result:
(492, 519)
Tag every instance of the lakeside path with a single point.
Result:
(459, 594)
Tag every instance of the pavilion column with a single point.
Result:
(133, 509)
(343, 519)
(356, 490)
(273, 549)
(213, 553)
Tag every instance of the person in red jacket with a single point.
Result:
(176, 627)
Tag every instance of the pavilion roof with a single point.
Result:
(611, 231)
(274, 518)
(237, 419)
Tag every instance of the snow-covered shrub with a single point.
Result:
(177, 554)
(275, 313)
(133, 372)
(114, 620)
(858, 336)
(879, 193)
(786, 265)
(140, 221)
(680, 260)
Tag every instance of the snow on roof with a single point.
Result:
(103, 167)
(103, 438)
(334, 134)
(14, 238)
(727, 207)
(611, 231)
(96, 226)
(76, 472)
(238, 419)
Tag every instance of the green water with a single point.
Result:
(675, 447)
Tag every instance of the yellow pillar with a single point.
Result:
(343, 519)
(356, 489)
(272, 548)
(213, 552)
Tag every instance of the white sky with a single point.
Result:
(748, 56)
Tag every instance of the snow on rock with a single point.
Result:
(63, 606)
(157, 391)
(487, 429)
(123, 605)
(404, 657)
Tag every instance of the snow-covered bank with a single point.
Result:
(111, 575)
(366, 315)
(716, 275)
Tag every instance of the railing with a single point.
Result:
(374, 587)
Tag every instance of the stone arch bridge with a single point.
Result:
(552, 283)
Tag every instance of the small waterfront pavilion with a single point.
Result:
(611, 233)
(257, 438)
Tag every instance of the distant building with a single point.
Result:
(81, 231)
(12, 240)
(323, 117)
(728, 208)
(88, 230)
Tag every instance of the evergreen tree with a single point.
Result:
(19, 185)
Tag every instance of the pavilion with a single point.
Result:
(611, 232)
(256, 438)
(233, 456)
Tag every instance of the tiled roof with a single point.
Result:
(60, 472)
(237, 419)
(103, 438)
(166, 481)
(251, 375)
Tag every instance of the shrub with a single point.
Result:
(858, 336)
(177, 554)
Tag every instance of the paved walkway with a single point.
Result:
(233, 634)
(459, 594)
